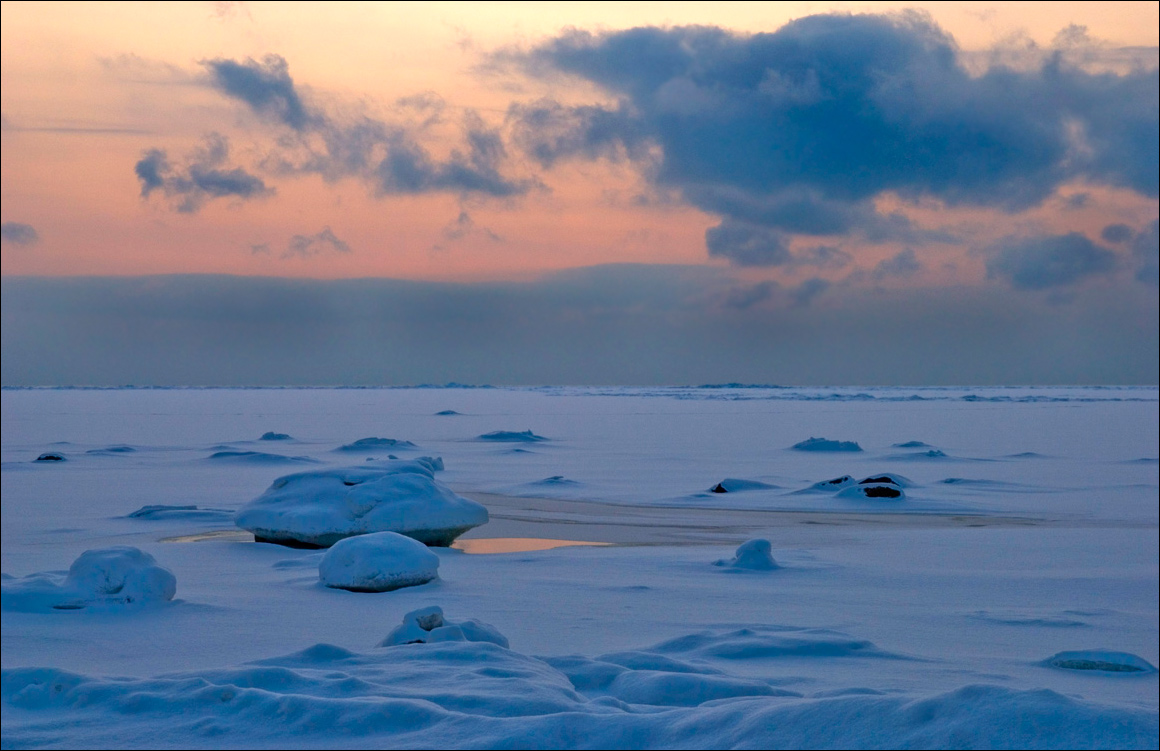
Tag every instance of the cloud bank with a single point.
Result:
(601, 325)
(798, 131)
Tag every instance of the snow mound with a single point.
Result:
(107, 576)
(272, 436)
(770, 642)
(452, 694)
(1101, 661)
(377, 562)
(112, 450)
(447, 413)
(823, 444)
(161, 511)
(734, 485)
(376, 444)
(511, 436)
(554, 481)
(912, 445)
(752, 555)
(427, 626)
(51, 456)
(258, 457)
(317, 509)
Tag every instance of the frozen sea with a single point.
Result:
(1029, 529)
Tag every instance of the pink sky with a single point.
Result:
(88, 88)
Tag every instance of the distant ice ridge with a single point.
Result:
(459, 692)
(107, 576)
(317, 509)
(378, 562)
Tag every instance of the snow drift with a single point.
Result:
(107, 576)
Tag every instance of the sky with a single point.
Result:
(588, 193)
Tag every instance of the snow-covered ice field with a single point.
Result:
(969, 611)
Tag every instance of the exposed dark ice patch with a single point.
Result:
(511, 436)
(258, 457)
(1032, 620)
(160, 511)
(824, 444)
(1101, 661)
(272, 436)
(887, 477)
(51, 456)
(376, 444)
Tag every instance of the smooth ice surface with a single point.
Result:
(378, 562)
(320, 508)
(990, 606)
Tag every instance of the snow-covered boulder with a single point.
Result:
(428, 625)
(51, 456)
(106, 576)
(317, 509)
(754, 555)
(377, 562)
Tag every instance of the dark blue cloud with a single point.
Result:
(19, 233)
(1049, 261)
(305, 246)
(388, 155)
(747, 244)
(801, 128)
(203, 177)
(265, 86)
(904, 264)
(1117, 233)
(1146, 252)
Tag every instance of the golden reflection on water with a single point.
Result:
(515, 544)
(226, 535)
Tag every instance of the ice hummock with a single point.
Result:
(752, 555)
(118, 575)
(511, 436)
(428, 625)
(317, 509)
(374, 443)
(378, 562)
(825, 444)
(1101, 660)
